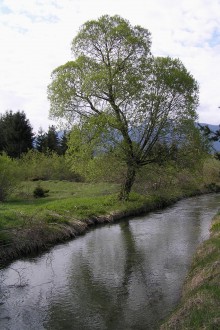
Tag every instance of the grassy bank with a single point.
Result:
(29, 224)
(200, 304)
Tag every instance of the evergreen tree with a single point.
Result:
(47, 141)
(16, 135)
(52, 139)
(63, 143)
(41, 141)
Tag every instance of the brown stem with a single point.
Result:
(128, 183)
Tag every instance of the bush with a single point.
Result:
(39, 192)
(8, 176)
(39, 166)
(211, 171)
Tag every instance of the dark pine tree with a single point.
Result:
(41, 141)
(52, 139)
(16, 134)
(63, 143)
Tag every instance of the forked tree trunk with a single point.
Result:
(128, 183)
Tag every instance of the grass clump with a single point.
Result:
(200, 305)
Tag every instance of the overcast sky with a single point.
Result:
(35, 38)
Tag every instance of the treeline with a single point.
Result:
(17, 137)
(89, 158)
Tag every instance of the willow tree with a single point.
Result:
(114, 76)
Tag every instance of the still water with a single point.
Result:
(125, 276)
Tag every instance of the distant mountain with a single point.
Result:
(213, 128)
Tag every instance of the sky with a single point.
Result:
(36, 36)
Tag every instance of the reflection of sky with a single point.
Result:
(123, 274)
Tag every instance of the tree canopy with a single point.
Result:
(50, 141)
(16, 136)
(115, 78)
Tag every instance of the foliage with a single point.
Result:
(140, 98)
(49, 141)
(213, 136)
(211, 171)
(169, 179)
(63, 143)
(40, 141)
(39, 166)
(39, 192)
(207, 132)
(177, 175)
(52, 139)
(194, 149)
(91, 152)
(8, 176)
(16, 135)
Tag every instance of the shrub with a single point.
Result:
(39, 192)
(39, 166)
(8, 176)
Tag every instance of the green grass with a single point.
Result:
(63, 197)
(67, 203)
(78, 200)
(63, 189)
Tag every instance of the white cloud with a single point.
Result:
(36, 35)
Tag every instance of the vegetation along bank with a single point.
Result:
(32, 225)
(68, 209)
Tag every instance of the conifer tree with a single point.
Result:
(16, 135)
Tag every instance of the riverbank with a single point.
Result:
(31, 225)
(38, 235)
(200, 304)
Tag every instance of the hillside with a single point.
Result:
(214, 128)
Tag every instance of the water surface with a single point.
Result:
(123, 276)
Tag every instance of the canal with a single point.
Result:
(122, 276)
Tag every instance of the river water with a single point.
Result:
(122, 276)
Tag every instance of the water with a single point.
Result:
(125, 276)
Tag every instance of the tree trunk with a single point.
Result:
(128, 183)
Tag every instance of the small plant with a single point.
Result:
(39, 192)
